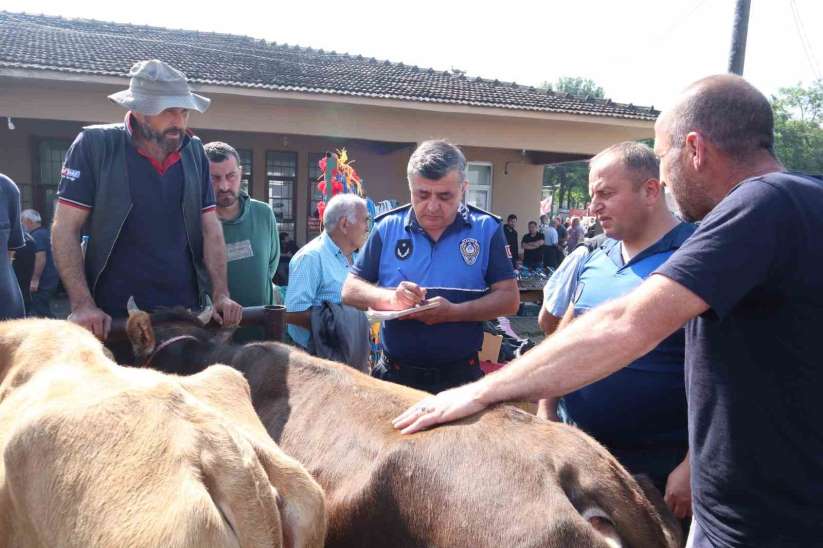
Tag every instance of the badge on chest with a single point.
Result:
(470, 250)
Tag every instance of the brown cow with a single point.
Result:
(502, 478)
(98, 456)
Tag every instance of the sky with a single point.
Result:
(640, 51)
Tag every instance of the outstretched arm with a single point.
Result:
(591, 348)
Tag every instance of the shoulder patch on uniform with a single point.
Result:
(483, 211)
(403, 249)
(395, 210)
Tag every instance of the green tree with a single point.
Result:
(569, 183)
(575, 85)
(798, 127)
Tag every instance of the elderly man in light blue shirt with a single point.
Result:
(317, 271)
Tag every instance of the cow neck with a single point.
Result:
(166, 344)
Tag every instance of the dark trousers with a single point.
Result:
(428, 379)
(41, 303)
(552, 256)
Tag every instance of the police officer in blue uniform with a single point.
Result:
(435, 249)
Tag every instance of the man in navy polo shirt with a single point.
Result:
(440, 250)
(143, 188)
(752, 301)
(44, 280)
(639, 412)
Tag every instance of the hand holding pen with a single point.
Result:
(408, 294)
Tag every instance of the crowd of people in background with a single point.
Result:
(548, 242)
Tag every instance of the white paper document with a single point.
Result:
(384, 315)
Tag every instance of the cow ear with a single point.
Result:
(141, 334)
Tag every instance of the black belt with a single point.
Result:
(429, 375)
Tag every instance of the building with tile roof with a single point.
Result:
(283, 106)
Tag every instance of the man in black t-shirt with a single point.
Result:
(511, 238)
(533, 247)
(751, 302)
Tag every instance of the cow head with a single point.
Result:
(172, 340)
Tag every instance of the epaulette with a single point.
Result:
(475, 208)
(395, 210)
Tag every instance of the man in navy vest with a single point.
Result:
(435, 249)
(639, 412)
(752, 300)
(143, 188)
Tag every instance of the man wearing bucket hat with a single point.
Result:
(126, 184)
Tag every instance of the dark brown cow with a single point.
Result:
(502, 478)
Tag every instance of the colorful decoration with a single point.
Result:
(338, 176)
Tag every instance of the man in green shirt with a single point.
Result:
(249, 228)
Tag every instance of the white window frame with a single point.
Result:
(488, 188)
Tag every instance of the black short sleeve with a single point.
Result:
(737, 247)
(77, 182)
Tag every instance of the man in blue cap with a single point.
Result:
(142, 187)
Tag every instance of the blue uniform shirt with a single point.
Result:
(469, 257)
(645, 402)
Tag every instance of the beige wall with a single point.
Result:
(67, 97)
(383, 174)
(517, 191)
(58, 105)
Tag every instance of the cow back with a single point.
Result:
(500, 478)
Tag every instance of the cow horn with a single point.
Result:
(205, 316)
(132, 307)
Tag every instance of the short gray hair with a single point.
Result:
(434, 160)
(31, 215)
(638, 159)
(342, 205)
(218, 151)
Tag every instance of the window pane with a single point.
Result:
(281, 172)
(479, 175)
(480, 185)
(50, 156)
(281, 164)
(50, 159)
(478, 198)
(245, 163)
(313, 218)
